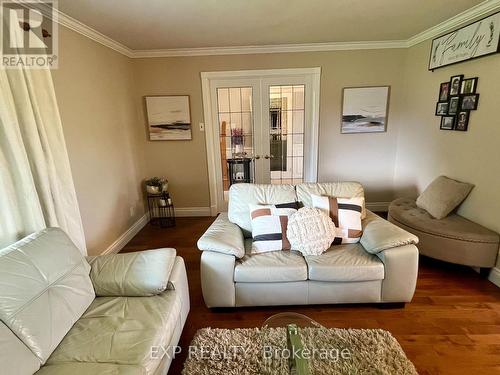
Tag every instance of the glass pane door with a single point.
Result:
(262, 128)
(236, 135)
(286, 133)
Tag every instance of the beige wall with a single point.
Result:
(368, 158)
(100, 94)
(425, 151)
(94, 89)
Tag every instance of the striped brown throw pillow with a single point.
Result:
(345, 214)
(269, 223)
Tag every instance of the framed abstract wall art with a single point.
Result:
(365, 109)
(169, 118)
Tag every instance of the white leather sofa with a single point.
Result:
(382, 268)
(63, 314)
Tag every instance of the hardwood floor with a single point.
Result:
(452, 326)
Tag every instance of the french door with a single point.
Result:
(262, 127)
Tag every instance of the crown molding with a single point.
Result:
(67, 21)
(477, 11)
(93, 34)
(274, 48)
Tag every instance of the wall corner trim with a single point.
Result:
(125, 238)
(495, 276)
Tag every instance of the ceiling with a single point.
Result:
(170, 24)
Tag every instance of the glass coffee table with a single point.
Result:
(284, 351)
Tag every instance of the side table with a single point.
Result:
(161, 210)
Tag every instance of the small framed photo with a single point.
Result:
(454, 105)
(469, 102)
(444, 91)
(462, 121)
(441, 109)
(469, 86)
(456, 84)
(447, 122)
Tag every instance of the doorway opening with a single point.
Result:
(261, 127)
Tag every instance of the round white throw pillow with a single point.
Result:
(310, 231)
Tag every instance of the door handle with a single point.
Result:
(256, 157)
(268, 157)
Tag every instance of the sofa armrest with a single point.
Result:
(223, 237)
(400, 273)
(178, 281)
(217, 279)
(379, 235)
(139, 274)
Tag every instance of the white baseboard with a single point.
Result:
(495, 276)
(121, 241)
(192, 211)
(378, 206)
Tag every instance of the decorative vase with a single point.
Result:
(164, 187)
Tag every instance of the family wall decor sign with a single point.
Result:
(456, 99)
(478, 39)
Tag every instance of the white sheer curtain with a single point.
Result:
(36, 185)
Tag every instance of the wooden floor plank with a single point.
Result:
(452, 325)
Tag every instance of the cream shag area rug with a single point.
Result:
(332, 351)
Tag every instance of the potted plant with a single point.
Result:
(156, 185)
(237, 141)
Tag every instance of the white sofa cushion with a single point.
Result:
(15, 357)
(276, 266)
(332, 189)
(138, 274)
(122, 330)
(269, 224)
(310, 231)
(344, 263)
(345, 214)
(45, 287)
(242, 195)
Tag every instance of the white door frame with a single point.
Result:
(212, 128)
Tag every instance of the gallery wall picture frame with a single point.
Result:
(469, 102)
(444, 90)
(453, 105)
(461, 99)
(477, 39)
(442, 108)
(469, 86)
(447, 122)
(169, 117)
(462, 121)
(365, 109)
(456, 84)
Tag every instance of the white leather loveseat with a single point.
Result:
(63, 314)
(382, 268)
